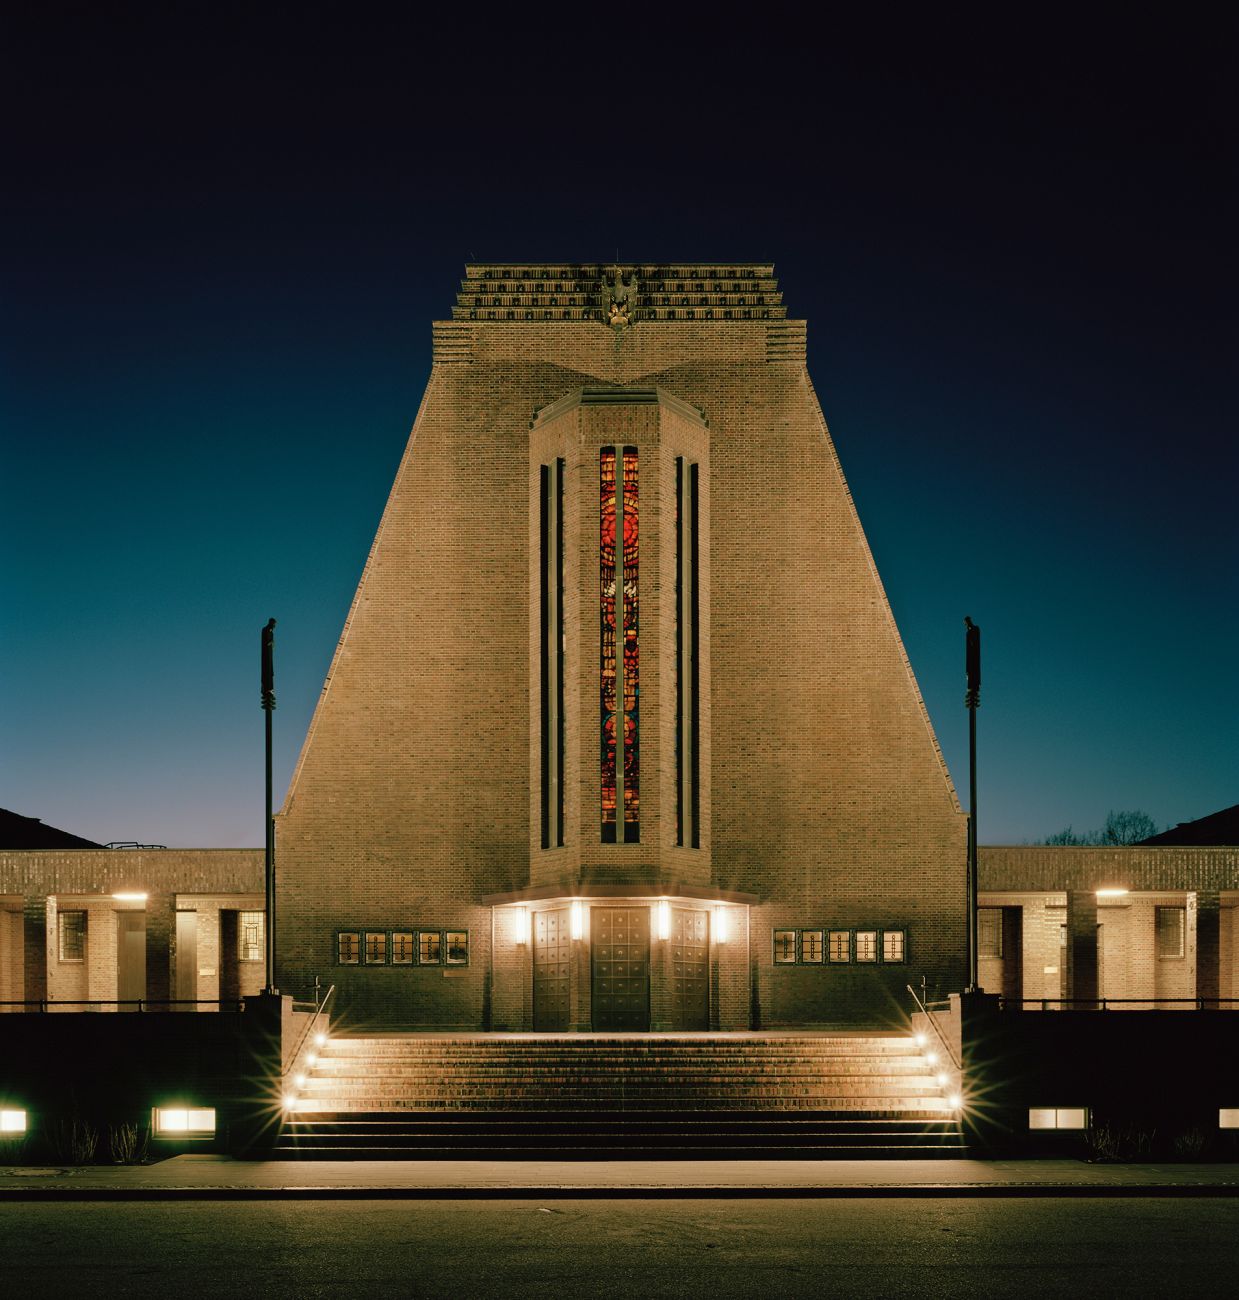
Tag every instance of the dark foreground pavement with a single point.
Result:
(211, 1177)
(948, 1246)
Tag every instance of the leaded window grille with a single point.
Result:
(840, 946)
(866, 945)
(989, 931)
(1171, 932)
(251, 936)
(811, 947)
(429, 948)
(456, 947)
(784, 947)
(894, 945)
(376, 947)
(403, 948)
(72, 935)
(348, 947)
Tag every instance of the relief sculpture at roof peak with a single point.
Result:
(619, 297)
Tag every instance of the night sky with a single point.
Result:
(226, 235)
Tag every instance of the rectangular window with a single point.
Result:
(989, 931)
(552, 619)
(840, 946)
(1171, 931)
(252, 935)
(688, 722)
(866, 945)
(429, 948)
(784, 947)
(72, 927)
(893, 945)
(811, 947)
(348, 947)
(456, 947)
(376, 948)
(402, 949)
(619, 589)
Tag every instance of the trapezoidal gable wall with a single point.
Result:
(418, 789)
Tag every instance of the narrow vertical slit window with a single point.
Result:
(686, 632)
(619, 585)
(552, 656)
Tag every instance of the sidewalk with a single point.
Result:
(213, 1177)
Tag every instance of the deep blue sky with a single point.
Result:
(225, 238)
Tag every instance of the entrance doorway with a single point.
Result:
(130, 958)
(620, 948)
(552, 955)
(690, 968)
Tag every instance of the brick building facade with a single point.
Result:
(619, 733)
(778, 774)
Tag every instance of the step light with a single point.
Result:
(14, 1121)
(183, 1121)
(320, 1040)
(1062, 1118)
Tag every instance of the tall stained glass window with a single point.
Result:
(620, 666)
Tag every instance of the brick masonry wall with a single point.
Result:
(827, 793)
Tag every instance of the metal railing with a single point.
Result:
(139, 1004)
(320, 1006)
(929, 1015)
(1105, 1004)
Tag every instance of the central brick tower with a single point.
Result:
(620, 733)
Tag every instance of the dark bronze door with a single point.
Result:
(620, 950)
(690, 968)
(552, 952)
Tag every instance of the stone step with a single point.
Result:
(872, 1107)
(582, 1152)
(552, 1074)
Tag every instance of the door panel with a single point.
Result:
(620, 950)
(552, 956)
(130, 957)
(186, 960)
(690, 968)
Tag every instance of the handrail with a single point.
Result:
(934, 1025)
(142, 1004)
(1104, 1003)
(309, 1028)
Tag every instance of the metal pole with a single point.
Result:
(972, 701)
(268, 707)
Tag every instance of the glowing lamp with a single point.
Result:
(12, 1121)
(722, 925)
(664, 919)
(575, 917)
(522, 925)
(130, 896)
(1111, 893)
(320, 1040)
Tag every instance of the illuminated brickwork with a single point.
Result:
(824, 795)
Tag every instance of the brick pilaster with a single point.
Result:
(34, 928)
(1205, 906)
(1081, 945)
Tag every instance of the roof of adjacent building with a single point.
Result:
(1217, 828)
(18, 832)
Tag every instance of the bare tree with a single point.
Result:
(1120, 828)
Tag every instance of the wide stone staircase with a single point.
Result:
(638, 1096)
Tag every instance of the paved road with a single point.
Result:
(574, 1249)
